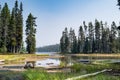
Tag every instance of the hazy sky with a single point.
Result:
(54, 15)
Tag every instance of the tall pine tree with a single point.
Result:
(81, 39)
(64, 42)
(30, 33)
(19, 25)
(97, 36)
(5, 19)
(12, 33)
(91, 36)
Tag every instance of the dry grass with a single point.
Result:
(99, 55)
(34, 57)
(13, 58)
(25, 57)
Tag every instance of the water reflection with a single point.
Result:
(47, 62)
(48, 53)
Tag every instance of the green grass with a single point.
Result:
(102, 77)
(19, 58)
(9, 75)
(77, 70)
(42, 75)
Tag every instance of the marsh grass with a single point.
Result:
(102, 77)
(18, 58)
(9, 75)
(77, 70)
(42, 75)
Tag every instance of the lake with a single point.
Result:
(48, 53)
(56, 61)
(48, 61)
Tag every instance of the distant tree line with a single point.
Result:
(49, 48)
(92, 38)
(11, 29)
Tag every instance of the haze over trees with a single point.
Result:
(49, 48)
(92, 38)
(11, 28)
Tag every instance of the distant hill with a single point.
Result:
(49, 48)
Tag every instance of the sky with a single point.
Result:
(54, 15)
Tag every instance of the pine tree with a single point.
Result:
(78, 45)
(118, 3)
(5, 19)
(19, 29)
(72, 41)
(118, 46)
(107, 38)
(0, 29)
(19, 25)
(85, 30)
(81, 39)
(12, 33)
(102, 37)
(64, 42)
(75, 45)
(97, 36)
(91, 35)
(118, 42)
(86, 46)
(30, 33)
(113, 37)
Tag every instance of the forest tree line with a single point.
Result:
(49, 48)
(11, 30)
(92, 38)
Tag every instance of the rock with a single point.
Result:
(29, 65)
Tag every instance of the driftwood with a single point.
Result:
(87, 75)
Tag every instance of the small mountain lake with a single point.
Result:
(48, 61)
(56, 61)
(48, 53)
(68, 60)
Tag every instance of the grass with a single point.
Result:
(99, 55)
(9, 75)
(77, 69)
(17, 58)
(42, 75)
(102, 77)
(90, 68)
(22, 57)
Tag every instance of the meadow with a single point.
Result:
(77, 69)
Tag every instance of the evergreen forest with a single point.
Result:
(97, 37)
(11, 30)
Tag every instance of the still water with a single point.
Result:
(48, 62)
(48, 53)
